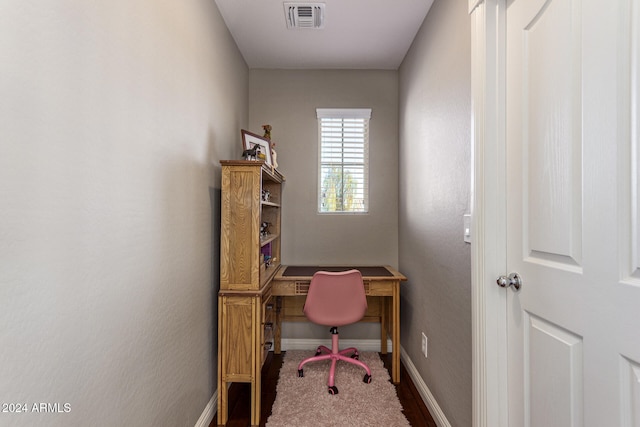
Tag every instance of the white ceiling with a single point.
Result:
(357, 34)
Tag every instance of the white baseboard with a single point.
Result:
(310, 344)
(209, 412)
(425, 393)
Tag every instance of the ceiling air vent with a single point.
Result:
(304, 15)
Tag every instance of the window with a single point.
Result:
(343, 184)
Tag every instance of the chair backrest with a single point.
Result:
(336, 298)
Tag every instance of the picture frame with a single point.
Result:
(250, 139)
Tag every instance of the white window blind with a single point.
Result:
(343, 184)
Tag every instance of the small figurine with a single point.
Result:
(267, 131)
(251, 153)
(264, 229)
(274, 156)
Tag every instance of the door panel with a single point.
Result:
(551, 131)
(555, 363)
(630, 378)
(632, 179)
(573, 221)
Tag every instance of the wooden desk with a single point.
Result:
(382, 286)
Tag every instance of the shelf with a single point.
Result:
(266, 273)
(268, 239)
(275, 205)
(270, 174)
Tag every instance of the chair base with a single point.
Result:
(335, 354)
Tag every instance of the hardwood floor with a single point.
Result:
(240, 398)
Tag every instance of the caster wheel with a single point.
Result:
(367, 379)
(300, 373)
(355, 356)
(333, 390)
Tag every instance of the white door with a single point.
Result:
(573, 226)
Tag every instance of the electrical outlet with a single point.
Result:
(424, 345)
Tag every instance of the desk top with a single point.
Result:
(305, 272)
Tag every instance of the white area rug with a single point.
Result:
(305, 401)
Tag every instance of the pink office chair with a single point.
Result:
(335, 299)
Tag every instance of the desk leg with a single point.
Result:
(256, 389)
(222, 404)
(396, 333)
(384, 321)
(256, 360)
(222, 385)
(277, 335)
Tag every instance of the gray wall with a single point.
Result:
(113, 117)
(287, 99)
(435, 103)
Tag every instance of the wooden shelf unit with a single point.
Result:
(245, 306)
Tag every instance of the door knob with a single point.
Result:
(512, 280)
